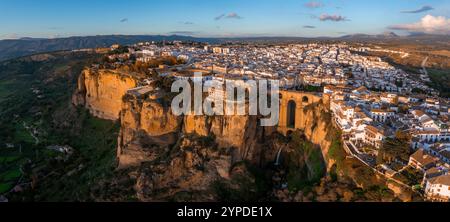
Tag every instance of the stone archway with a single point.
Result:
(291, 114)
(291, 105)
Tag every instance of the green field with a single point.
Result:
(5, 91)
(22, 134)
(10, 175)
(8, 159)
(5, 187)
(9, 170)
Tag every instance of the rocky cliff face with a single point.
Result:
(316, 125)
(188, 171)
(101, 92)
(145, 119)
(314, 120)
(182, 158)
(240, 132)
(148, 128)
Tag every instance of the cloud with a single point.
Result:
(10, 36)
(188, 23)
(334, 18)
(423, 9)
(232, 15)
(219, 17)
(314, 4)
(124, 20)
(429, 24)
(309, 27)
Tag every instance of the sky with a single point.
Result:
(221, 18)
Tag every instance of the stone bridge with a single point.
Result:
(292, 104)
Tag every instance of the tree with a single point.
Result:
(120, 50)
(403, 136)
(395, 149)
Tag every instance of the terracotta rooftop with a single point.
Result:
(444, 180)
(375, 129)
(423, 158)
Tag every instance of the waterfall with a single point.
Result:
(277, 162)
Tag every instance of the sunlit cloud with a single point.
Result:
(429, 24)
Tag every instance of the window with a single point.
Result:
(305, 99)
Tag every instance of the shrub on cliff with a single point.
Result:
(247, 183)
(305, 164)
(336, 151)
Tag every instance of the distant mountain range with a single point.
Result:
(362, 36)
(26, 46)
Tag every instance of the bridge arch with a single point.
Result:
(291, 114)
(291, 106)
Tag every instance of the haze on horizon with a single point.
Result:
(221, 18)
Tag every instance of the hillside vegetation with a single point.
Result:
(36, 114)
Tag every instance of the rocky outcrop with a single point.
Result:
(148, 119)
(200, 125)
(404, 193)
(101, 92)
(147, 128)
(147, 123)
(240, 132)
(185, 175)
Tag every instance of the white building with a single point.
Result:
(220, 50)
(438, 189)
(374, 136)
(380, 115)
